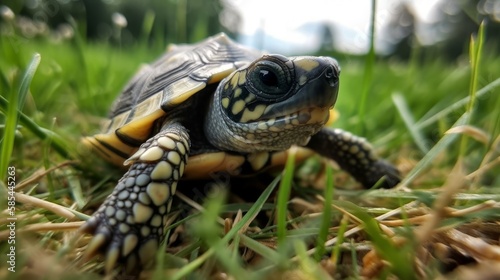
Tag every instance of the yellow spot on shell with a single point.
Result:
(141, 213)
(148, 106)
(186, 86)
(158, 192)
(220, 72)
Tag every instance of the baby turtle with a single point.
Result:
(210, 107)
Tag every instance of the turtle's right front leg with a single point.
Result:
(128, 227)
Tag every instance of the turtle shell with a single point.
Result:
(159, 88)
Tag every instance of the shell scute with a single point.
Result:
(159, 88)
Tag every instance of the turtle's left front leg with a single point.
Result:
(128, 227)
(356, 156)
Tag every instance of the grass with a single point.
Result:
(438, 121)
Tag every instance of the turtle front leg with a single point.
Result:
(356, 156)
(128, 227)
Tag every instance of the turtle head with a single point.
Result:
(273, 103)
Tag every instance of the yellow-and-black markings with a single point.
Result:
(143, 197)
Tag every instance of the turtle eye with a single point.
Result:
(270, 79)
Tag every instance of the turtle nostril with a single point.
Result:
(330, 76)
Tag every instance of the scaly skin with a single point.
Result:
(356, 156)
(128, 227)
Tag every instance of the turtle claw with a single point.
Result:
(111, 261)
(94, 246)
(118, 248)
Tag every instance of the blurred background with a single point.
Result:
(280, 26)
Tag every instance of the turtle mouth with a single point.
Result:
(280, 133)
(298, 120)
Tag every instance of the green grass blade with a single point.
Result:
(56, 142)
(75, 186)
(26, 80)
(4, 83)
(475, 50)
(16, 101)
(433, 153)
(147, 26)
(407, 117)
(340, 239)
(186, 270)
(368, 73)
(495, 126)
(459, 104)
(79, 46)
(208, 230)
(283, 198)
(399, 257)
(181, 35)
(160, 259)
(326, 217)
(261, 249)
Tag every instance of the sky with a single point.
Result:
(281, 19)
